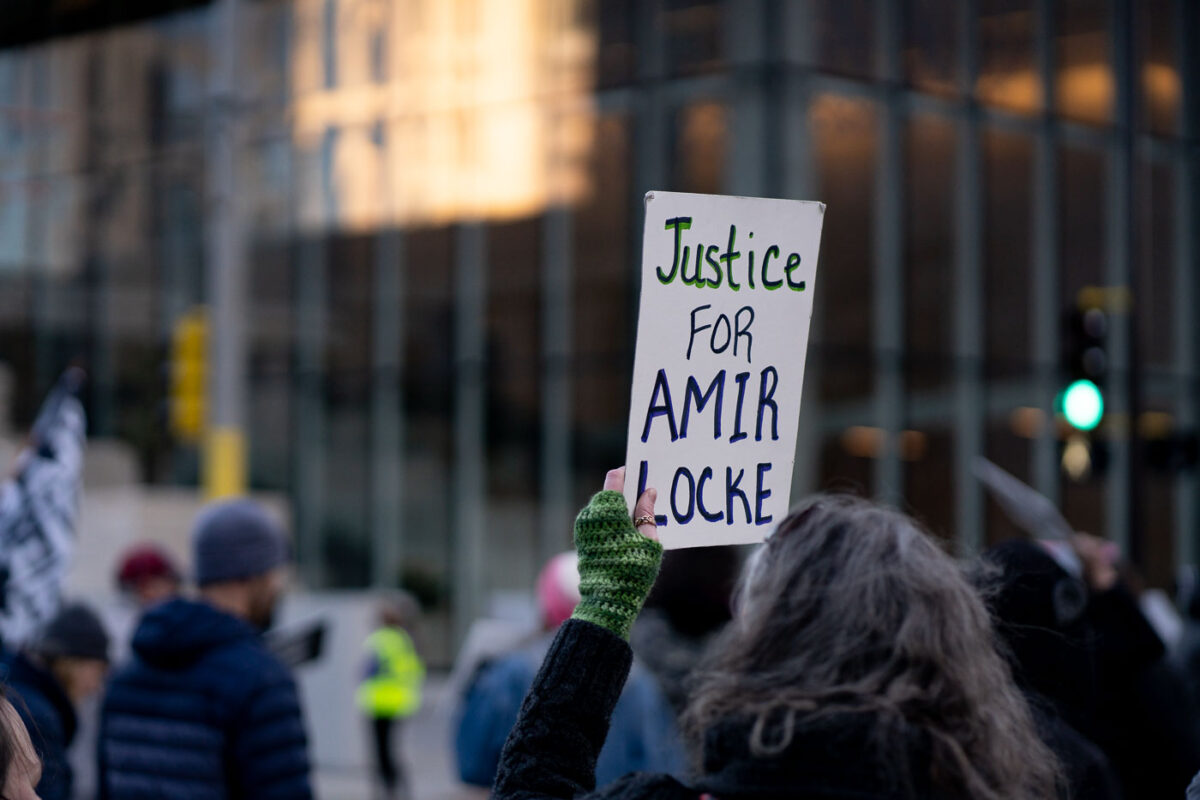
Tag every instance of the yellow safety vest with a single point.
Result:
(395, 688)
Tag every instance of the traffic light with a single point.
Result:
(1086, 355)
(189, 377)
(1081, 400)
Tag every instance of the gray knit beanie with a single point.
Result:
(236, 539)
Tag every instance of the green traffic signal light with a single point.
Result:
(1083, 405)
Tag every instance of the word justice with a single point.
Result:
(723, 271)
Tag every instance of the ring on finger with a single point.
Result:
(644, 519)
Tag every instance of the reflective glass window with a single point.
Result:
(844, 37)
(1161, 89)
(1008, 72)
(931, 44)
(1008, 253)
(1084, 83)
(845, 153)
(604, 234)
(929, 252)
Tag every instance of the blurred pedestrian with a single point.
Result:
(64, 666)
(20, 767)
(1041, 611)
(147, 575)
(391, 689)
(204, 709)
(643, 734)
(861, 664)
(1186, 653)
(1087, 654)
(688, 606)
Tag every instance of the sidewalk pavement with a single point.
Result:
(426, 750)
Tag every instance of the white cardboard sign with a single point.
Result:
(727, 288)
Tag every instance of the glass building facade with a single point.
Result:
(439, 205)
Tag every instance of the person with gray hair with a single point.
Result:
(861, 663)
(205, 709)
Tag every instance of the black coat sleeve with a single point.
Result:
(1147, 721)
(1126, 643)
(552, 750)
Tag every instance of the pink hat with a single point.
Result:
(558, 589)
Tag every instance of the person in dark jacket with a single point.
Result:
(860, 664)
(687, 608)
(64, 666)
(1086, 654)
(1041, 611)
(204, 709)
(643, 734)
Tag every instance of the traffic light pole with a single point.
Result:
(225, 451)
(1127, 69)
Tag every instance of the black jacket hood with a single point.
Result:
(840, 755)
(178, 633)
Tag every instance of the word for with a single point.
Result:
(722, 266)
(732, 331)
(661, 405)
(687, 496)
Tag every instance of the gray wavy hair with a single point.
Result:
(850, 608)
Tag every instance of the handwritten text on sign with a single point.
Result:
(727, 288)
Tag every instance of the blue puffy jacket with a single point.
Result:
(203, 712)
(50, 718)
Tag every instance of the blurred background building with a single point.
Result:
(436, 215)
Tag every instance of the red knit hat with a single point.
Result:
(142, 562)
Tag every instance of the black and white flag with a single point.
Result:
(39, 511)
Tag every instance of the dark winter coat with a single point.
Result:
(50, 718)
(1147, 720)
(1094, 661)
(551, 752)
(1087, 770)
(203, 712)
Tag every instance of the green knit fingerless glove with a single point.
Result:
(617, 565)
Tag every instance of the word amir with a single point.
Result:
(661, 405)
(722, 267)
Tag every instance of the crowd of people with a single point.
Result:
(848, 656)
(200, 706)
(863, 661)
(195, 702)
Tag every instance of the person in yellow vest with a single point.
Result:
(391, 689)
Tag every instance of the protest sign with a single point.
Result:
(727, 296)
